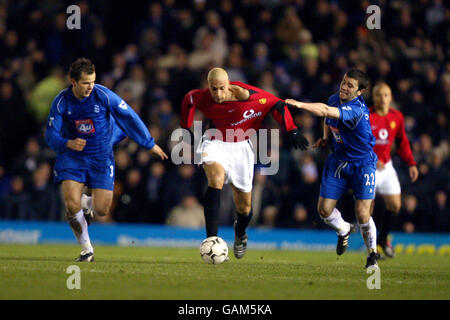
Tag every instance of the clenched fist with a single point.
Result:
(76, 144)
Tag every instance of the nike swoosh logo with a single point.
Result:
(231, 110)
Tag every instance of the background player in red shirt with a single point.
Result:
(388, 125)
(233, 107)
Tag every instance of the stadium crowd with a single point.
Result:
(153, 53)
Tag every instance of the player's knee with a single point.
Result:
(243, 208)
(324, 211)
(363, 215)
(215, 182)
(394, 206)
(101, 210)
(73, 207)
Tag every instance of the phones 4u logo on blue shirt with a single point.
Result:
(85, 126)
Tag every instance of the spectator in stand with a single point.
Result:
(17, 202)
(45, 203)
(189, 213)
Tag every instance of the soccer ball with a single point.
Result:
(214, 250)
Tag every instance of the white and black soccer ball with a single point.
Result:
(214, 250)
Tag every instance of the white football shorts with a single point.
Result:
(237, 158)
(386, 180)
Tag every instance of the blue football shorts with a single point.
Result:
(340, 175)
(95, 173)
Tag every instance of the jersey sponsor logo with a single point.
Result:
(263, 101)
(85, 126)
(383, 134)
(248, 114)
(336, 134)
(382, 138)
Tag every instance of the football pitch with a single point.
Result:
(40, 272)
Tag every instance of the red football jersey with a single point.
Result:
(233, 115)
(386, 129)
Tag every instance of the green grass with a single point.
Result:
(39, 272)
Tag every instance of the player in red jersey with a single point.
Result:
(388, 125)
(234, 108)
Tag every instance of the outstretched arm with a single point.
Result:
(130, 123)
(280, 112)
(317, 108)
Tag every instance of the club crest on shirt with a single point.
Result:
(85, 126)
(263, 101)
(393, 124)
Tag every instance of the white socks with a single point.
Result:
(336, 222)
(369, 234)
(368, 230)
(86, 202)
(80, 230)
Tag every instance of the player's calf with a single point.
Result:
(211, 205)
(242, 222)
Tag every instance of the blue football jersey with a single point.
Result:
(352, 134)
(102, 119)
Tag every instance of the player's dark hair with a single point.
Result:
(361, 76)
(79, 66)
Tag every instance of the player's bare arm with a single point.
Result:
(317, 108)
